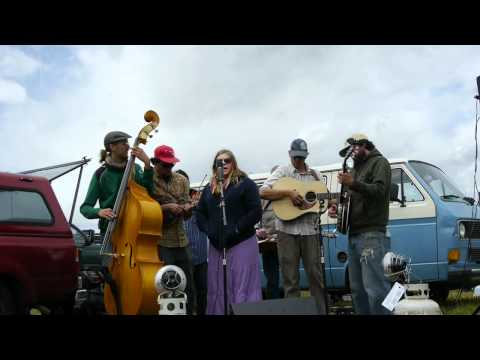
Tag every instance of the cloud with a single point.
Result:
(14, 63)
(15, 66)
(11, 92)
(414, 102)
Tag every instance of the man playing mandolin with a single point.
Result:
(298, 238)
(369, 188)
(171, 190)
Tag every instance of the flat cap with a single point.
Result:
(115, 136)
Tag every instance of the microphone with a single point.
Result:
(478, 88)
(220, 175)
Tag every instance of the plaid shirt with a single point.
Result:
(175, 190)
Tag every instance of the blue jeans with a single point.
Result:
(368, 283)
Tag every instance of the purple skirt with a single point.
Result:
(243, 276)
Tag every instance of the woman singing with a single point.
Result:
(243, 210)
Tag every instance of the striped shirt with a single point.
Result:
(305, 224)
(197, 239)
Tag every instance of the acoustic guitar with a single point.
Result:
(315, 193)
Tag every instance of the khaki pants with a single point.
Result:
(307, 247)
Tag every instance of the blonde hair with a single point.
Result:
(234, 177)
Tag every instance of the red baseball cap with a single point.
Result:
(166, 154)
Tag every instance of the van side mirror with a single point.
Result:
(394, 194)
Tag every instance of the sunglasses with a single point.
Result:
(161, 163)
(226, 161)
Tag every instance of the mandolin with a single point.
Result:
(343, 210)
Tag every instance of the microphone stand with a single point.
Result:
(220, 180)
(318, 230)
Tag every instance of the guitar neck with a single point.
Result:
(328, 196)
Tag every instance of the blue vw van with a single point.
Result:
(431, 222)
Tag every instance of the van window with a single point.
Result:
(23, 207)
(324, 178)
(438, 181)
(410, 191)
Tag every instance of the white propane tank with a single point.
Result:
(476, 291)
(417, 302)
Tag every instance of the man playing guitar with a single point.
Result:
(297, 238)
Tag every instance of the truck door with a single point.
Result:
(413, 225)
(36, 239)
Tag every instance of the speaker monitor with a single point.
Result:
(289, 306)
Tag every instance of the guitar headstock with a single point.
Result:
(153, 121)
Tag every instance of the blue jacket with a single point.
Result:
(243, 210)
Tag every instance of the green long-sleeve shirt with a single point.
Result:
(104, 189)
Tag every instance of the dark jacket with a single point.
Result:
(242, 208)
(370, 194)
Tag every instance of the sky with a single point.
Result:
(414, 102)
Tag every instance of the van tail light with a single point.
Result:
(77, 255)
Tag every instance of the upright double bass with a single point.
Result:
(131, 242)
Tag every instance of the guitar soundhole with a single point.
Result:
(310, 196)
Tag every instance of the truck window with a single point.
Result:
(410, 191)
(23, 207)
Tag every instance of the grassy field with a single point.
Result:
(456, 304)
(464, 304)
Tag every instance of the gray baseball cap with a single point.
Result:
(298, 147)
(115, 136)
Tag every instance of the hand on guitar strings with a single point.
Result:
(174, 208)
(298, 201)
(345, 179)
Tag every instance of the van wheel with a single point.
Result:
(7, 301)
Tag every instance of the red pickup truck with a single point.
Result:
(38, 258)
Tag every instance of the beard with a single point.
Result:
(359, 157)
